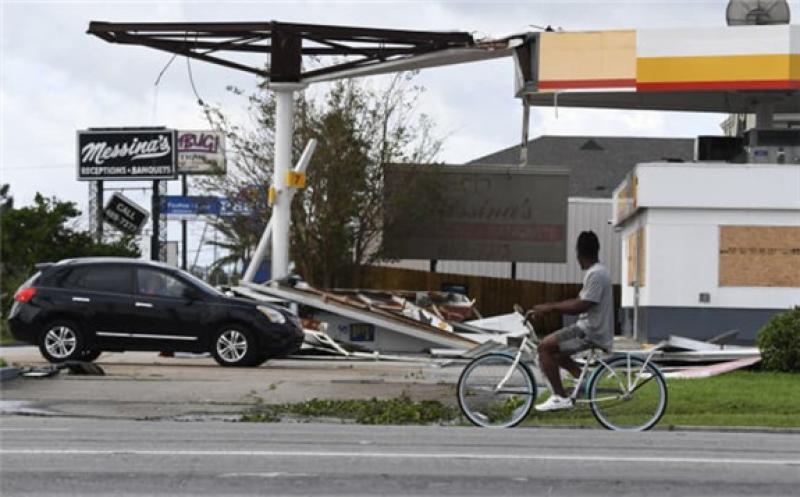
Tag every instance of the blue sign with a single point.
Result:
(187, 207)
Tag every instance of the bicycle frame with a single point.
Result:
(529, 345)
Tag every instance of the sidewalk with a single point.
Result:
(142, 385)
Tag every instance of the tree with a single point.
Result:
(40, 233)
(337, 220)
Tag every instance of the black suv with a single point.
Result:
(77, 308)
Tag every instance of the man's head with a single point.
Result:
(588, 248)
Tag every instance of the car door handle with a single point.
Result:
(144, 304)
(81, 299)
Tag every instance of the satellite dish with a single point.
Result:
(757, 12)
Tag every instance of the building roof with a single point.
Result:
(597, 163)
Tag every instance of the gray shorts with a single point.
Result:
(571, 340)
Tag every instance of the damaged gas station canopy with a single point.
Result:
(735, 69)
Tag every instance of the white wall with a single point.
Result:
(719, 186)
(682, 259)
(583, 214)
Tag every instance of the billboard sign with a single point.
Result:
(230, 208)
(201, 152)
(126, 154)
(481, 213)
(189, 207)
(192, 207)
(124, 214)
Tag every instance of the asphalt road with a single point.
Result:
(69, 456)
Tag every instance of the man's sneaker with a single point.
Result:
(555, 403)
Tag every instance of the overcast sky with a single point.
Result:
(56, 79)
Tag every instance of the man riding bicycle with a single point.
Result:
(593, 329)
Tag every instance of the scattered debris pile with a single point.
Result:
(424, 320)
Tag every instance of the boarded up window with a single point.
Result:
(759, 256)
(636, 252)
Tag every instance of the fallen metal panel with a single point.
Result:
(713, 370)
(503, 323)
(707, 355)
(690, 344)
(374, 317)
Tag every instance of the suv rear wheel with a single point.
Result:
(235, 346)
(62, 341)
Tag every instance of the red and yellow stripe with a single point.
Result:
(725, 72)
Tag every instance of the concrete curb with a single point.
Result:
(717, 429)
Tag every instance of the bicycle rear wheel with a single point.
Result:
(626, 395)
(485, 402)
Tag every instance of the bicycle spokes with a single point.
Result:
(628, 394)
(496, 391)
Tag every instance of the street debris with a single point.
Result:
(391, 313)
(74, 367)
(677, 349)
(443, 320)
(711, 370)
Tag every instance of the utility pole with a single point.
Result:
(184, 238)
(156, 215)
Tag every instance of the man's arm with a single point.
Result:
(571, 306)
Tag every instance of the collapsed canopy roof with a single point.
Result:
(730, 69)
(338, 51)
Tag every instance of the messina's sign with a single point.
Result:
(126, 154)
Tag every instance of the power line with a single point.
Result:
(16, 167)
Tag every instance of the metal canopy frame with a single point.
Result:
(339, 52)
(286, 44)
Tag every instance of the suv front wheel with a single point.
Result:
(235, 346)
(62, 341)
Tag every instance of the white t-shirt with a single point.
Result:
(598, 321)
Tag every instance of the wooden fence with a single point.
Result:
(493, 295)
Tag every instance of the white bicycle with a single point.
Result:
(624, 392)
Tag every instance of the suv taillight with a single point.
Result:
(25, 294)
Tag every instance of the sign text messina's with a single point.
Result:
(126, 154)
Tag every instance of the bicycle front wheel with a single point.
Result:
(626, 394)
(495, 393)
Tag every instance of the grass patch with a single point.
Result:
(738, 399)
(741, 398)
(398, 411)
(3, 363)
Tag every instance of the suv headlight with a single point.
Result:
(273, 315)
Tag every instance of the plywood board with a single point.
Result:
(636, 250)
(625, 198)
(759, 256)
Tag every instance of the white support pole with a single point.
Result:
(526, 126)
(281, 209)
(765, 111)
(261, 249)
